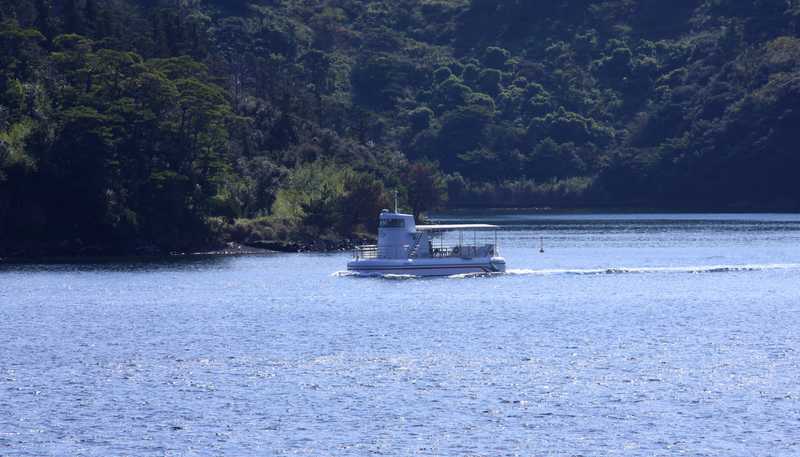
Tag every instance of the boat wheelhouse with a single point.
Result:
(405, 248)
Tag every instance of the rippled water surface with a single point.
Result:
(630, 335)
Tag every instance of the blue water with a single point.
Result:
(663, 334)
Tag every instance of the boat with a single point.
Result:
(405, 248)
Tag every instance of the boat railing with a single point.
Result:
(372, 251)
(463, 251)
(366, 252)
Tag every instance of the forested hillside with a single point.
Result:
(147, 125)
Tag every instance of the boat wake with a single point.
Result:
(644, 270)
(592, 271)
(355, 274)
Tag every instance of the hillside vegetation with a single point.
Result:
(148, 126)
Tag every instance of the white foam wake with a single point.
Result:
(697, 269)
(641, 270)
(355, 274)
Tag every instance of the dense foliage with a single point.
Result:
(150, 125)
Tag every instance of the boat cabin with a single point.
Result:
(399, 237)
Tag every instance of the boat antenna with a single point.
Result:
(395, 201)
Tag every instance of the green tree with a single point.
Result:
(553, 160)
(426, 187)
(441, 75)
(462, 130)
(496, 57)
(362, 200)
(420, 118)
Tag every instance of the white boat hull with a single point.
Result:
(427, 266)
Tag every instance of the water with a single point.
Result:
(631, 335)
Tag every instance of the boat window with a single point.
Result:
(393, 223)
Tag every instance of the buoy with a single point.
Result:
(541, 245)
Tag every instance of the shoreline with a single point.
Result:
(36, 253)
(617, 209)
(230, 249)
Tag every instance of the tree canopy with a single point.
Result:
(133, 125)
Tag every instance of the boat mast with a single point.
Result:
(395, 201)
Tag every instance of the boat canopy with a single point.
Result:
(443, 228)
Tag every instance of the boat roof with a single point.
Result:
(442, 228)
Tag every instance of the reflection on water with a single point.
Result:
(150, 264)
(655, 334)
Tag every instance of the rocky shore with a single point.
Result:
(309, 246)
(79, 250)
